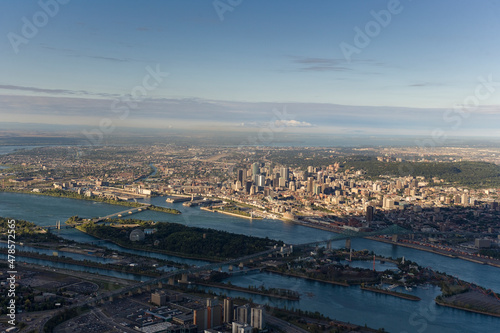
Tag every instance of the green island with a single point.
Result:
(28, 232)
(179, 240)
(164, 209)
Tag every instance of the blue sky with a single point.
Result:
(231, 73)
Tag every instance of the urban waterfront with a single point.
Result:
(343, 303)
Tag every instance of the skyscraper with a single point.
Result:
(369, 213)
(242, 314)
(257, 318)
(309, 184)
(284, 173)
(255, 169)
(228, 310)
(261, 180)
(240, 176)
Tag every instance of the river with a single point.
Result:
(346, 304)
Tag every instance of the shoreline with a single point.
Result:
(392, 293)
(426, 249)
(91, 264)
(343, 284)
(246, 290)
(466, 309)
(99, 199)
(228, 213)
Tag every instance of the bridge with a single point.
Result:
(348, 234)
(129, 211)
(57, 226)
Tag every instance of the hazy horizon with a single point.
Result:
(364, 68)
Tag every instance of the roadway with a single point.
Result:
(284, 325)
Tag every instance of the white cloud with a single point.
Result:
(291, 123)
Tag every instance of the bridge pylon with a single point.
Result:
(395, 238)
(348, 243)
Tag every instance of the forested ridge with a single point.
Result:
(466, 173)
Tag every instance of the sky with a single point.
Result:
(404, 67)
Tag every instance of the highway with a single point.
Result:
(284, 325)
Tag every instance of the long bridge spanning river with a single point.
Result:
(129, 211)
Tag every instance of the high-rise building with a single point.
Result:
(214, 316)
(317, 188)
(242, 314)
(465, 199)
(270, 170)
(319, 177)
(200, 318)
(240, 176)
(255, 169)
(284, 173)
(248, 187)
(257, 320)
(228, 310)
(370, 210)
(261, 180)
(309, 184)
(282, 182)
(208, 317)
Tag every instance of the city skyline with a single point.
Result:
(347, 68)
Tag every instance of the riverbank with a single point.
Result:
(441, 303)
(343, 284)
(76, 196)
(229, 213)
(71, 261)
(391, 293)
(246, 290)
(440, 252)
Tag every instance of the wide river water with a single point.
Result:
(347, 304)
